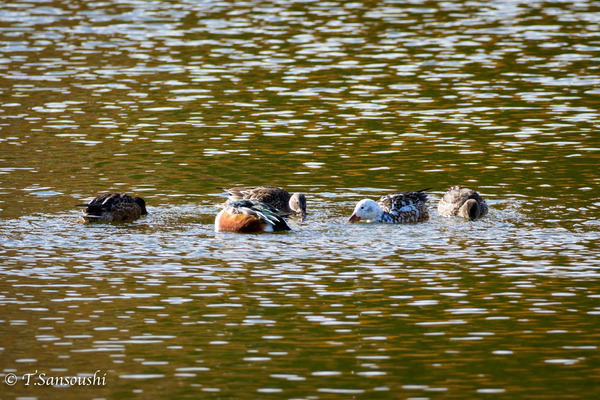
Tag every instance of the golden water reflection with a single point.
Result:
(175, 100)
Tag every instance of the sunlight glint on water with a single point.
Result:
(174, 101)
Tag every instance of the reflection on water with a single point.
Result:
(174, 100)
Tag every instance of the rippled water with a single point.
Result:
(173, 100)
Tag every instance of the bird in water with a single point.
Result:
(249, 216)
(272, 195)
(462, 202)
(113, 207)
(398, 208)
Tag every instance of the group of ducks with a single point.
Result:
(264, 208)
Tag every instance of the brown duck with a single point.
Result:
(272, 195)
(462, 202)
(113, 207)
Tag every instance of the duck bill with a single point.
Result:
(354, 218)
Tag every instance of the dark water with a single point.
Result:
(174, 100)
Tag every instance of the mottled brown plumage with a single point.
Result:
(272, 195)
(462, 202)
(113, 207)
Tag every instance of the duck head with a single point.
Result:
(140, 202)
(366, 209)
(298, 204)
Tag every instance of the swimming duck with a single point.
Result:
(113, 207)
(398, 208)
(249, 216)
(272, 195)
(462, 202)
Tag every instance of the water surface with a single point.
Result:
(173, 101)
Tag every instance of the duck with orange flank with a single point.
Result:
(398, 208)
(249, 216)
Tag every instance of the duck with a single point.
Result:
(397, 208)
(462, 202)
(272, 195)
(113, 207)
(249, 216)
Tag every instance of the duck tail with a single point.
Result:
(92, 209)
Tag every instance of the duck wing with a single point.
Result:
(258, 209)
(106, 202)
(403, 201)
